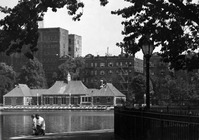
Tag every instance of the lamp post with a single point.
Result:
(147, 49)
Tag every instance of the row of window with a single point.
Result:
(48, 45)
(49, 100)
(54, 100)
(51, 37)
(108, 99)
(110, 64)
(102, 72)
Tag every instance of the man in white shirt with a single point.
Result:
(41, 126)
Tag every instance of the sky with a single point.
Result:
(100, 30)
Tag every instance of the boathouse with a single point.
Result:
(61, 93)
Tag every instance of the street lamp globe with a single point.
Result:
(147, 46)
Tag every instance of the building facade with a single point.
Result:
(52, 44)
(75, 45)
(72, 93)
(117, 70)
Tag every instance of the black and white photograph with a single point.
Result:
(99, 69)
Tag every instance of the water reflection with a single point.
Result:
(20, 123)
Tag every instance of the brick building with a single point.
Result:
(117, 70)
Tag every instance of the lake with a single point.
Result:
(15, 123)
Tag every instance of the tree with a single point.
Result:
(73, 66)
(171, 24)
(20, 27)
(33, 75)
(7, 79)
(138, 89)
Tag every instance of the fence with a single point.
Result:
(138, 124)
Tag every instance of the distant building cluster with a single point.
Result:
(56, 44)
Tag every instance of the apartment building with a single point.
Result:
(118, 70)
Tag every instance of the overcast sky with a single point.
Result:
(100, 30)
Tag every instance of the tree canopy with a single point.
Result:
(171, 24)
(33, 75)
(7, 79)
(73, 66)
(20, 27)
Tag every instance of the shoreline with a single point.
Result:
(2, 108)
(65, 135)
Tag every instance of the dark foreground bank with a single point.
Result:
(107, 134)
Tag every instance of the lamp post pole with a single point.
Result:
(147, 82)
(147, 49)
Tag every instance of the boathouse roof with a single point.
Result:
(109, 90)
(20, 90)
(76, 88)
(58, 88)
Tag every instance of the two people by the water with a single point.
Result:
(39, 125)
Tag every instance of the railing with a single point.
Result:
(138, 124)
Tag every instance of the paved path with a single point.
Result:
(107, 134)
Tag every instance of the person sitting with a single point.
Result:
(34, 131)
(40, 125)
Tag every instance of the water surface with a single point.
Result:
(15, 123)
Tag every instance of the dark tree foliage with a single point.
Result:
(138, 86)
(7, 79)
(33, 75)
(171, 24)
(72, 66)
(20, 27)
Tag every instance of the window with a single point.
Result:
(102, 64)
(69, 49)
(120, 63)
(108, 99)
(98, 100)
(102, 72)
(91, 64)
(91, 72)
(95, 72)
(47, 100)
(110, 71)
(55, 100)
(95, 64)
(110, 64)
(63, 100)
